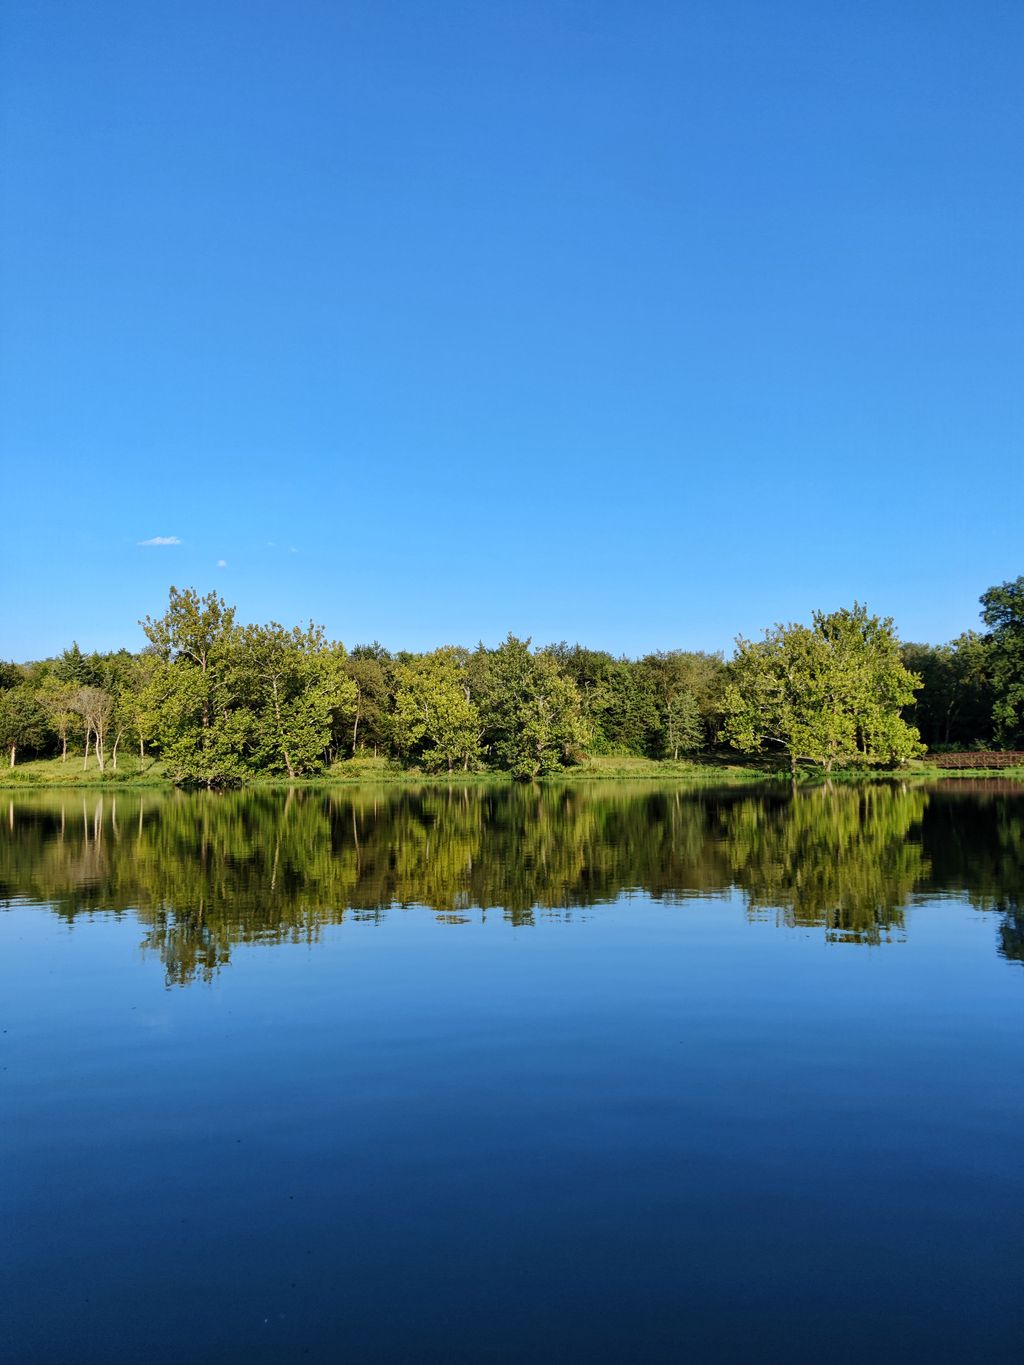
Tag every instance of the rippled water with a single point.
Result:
(574, 1073)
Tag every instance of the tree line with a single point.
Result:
(218, 701)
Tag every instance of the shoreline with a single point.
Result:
(52, 775)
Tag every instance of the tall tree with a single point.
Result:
(954, 705)
(684, 680)
(436, 719)
(22, 720)
(684, 728)
(1003, 613)
(201, 735)
(96, 707)
(367, 724)
(292, 681)
(531, 712)
(57, 699)
(828, 693)
(144, 696)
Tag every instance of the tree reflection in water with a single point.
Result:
(203, 872)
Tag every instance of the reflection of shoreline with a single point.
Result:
(204, 872)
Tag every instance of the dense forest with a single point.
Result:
(217, 701)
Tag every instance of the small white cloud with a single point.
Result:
(161, 540)
(222, 563)
(292, 550)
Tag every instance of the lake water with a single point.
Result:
(573, 1074)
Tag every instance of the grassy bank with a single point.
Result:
(133, 773)
(51, 772)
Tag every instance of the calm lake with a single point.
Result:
(599, 1073)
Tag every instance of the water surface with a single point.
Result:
(591, 1073)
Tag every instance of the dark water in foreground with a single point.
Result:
(591, 1074)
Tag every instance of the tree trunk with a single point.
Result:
(280, 731)
(206, 707)
(64, 751)
(14, 750)
(85, 763)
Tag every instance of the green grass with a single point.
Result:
(51, 772)
(629, 768)
(920, 767)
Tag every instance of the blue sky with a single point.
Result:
(640, 324)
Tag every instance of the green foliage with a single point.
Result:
(200, 733)
(684, 728)
(22, 720)
(532, 716)
(1003, 613)
(688, 687)
(95, 705)
(73, 668)
(954, 706)
(57, 700)
(367, 722)
(286, 687)
(214, 701)
(436, 720)
(831, 693)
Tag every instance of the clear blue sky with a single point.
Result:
(641, 324)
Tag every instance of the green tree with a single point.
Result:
(533, 721)
(436, 719)
(686, 685)
(590, 671)
(684, 728)
(144, 696)
(22, 720)
(292, 682)
(57, 699)
(1003, 613)
(96, 707)
(828, 693)
(200, 734)
(954, 705)
(73, 668)
(368, 721)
